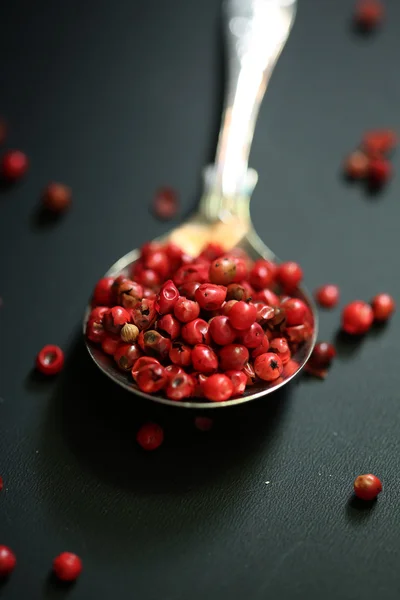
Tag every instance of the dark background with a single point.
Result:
(115, 99)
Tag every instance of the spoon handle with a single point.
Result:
(256, 32)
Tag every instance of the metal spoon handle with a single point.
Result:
(256, 31)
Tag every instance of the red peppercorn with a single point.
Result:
(281, 348)
(180, 354)
(167, 297)
(180, 386)
(1, 483)
(262, 274)
(7, 561)
(357, 318)
(154, 344)
(115, 318)
(239, 381)
(151, 378)
(250, 373)
(262, 348)
(188, 273)
(218, 388)
(289, 275)
(57, 197)
(150, 436)
(210, 297)
(157, 261)
(268, 297)
(264, 313)
(252, 337)
(165, 203)
(144, 313)
(299, 333)
(110, 343)
(126, 355)
(67, 566)
(226, 307)
(169, 326)
(235, 291)
(233, 357)
(146, 277)
(368, 14)
(268, 367)
(186, 310)
(98, 313)
(103, 292)
(128, 293)
(173, 370)
(143, 361)
(14, 165)
(188, 289)
(367, 487)
(223, 270)
(203, 423)
(356, 165)
(212, 251)
(296, 311)
(242, 315)
(379, 171)
(322, 355)
(221, 330)
(95, 331)
(327, 295)
(196, 332)
(50, 360)
(383, 307)
(204, 359)
(379, 142)
(291, 368)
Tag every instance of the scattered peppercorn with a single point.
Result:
(57, 197)
(7, 561)
(150, 436)
(367, 487)
(165, 203)
(327, 295)
(50, 360)
(67, 566)
(14, 165)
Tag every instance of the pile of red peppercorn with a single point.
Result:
(370, 162)
(206, 327)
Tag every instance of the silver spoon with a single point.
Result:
(256, 32)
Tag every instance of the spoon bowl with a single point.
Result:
(256, 32)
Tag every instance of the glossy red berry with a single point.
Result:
(154, 344)
(222, 270)
(186, 310)
(327, 295)
(262, 274)
(152, 378)
(167, 298)
(226, 307)
(7, 561)
(126, 355)
(180, 386)
(14, 165)
(165, 203)
(98, 313)
(204, 359)
(144, 313)
(210, 296)
(67, 566)
(239, 381)
(169, 326)
(103, 292)
(146, 277)
(379, 142)
(187, 273)
(268, 367)
(296, 311)
(289, 275)
(235, 291)
(221, 330)
(250, 373)
(357, 318)
(180, 354)
(252, 337)
(367, 487)
(115, 318)
(57, 197)
(369, 14)
(281, 347)
(268, 297)
(158, 262)
(188, 289)
(356, 165)
(264, 313)
(242, 315)
(383, 307)
(322, 355)
(150, 436)
(110, 343)
(50, 360)
(196, 332)
(95, 331)
(262, 348)
(233, 357)
(143, 361)
(379, 170)
(128, 293)
(218, 388)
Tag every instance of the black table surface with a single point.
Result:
(115, 99)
